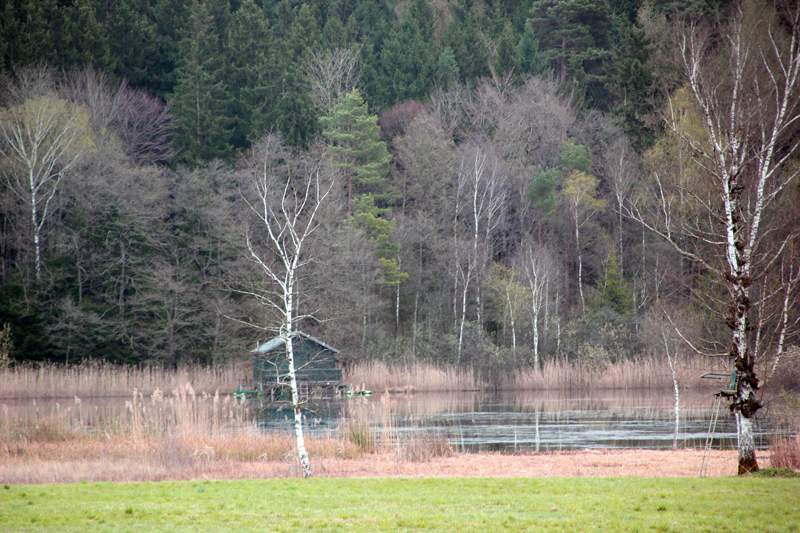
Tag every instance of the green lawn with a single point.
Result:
(459, 505)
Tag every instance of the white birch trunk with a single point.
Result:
(288, 220)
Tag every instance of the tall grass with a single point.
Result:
(784, 452)
(640, 373)
(418, 376)
(179, 428)
(99, 379)
(371, 427)
(555, 374)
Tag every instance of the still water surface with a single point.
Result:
(530, 420)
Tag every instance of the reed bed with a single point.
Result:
(413, 377)
(643, 373)
(371, 427)
(179, 429)
(98, 379)
(555, 374)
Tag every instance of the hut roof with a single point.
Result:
(278, 341)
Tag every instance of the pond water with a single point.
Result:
(529, 420)
(476, 421)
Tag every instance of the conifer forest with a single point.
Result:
(495, 183)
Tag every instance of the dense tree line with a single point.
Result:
(232, 69)
(493, 162)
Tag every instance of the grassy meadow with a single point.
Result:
(353, 505)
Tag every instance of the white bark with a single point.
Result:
(673, 367)
(537, 265)
(739, 131)
(43, 139)
(483, 189)
(287, 214)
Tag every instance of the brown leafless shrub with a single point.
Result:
(784, 452)
(423, 447)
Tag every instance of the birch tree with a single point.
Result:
(580, 196)
(480, 196)
(739, 121)
(286, 196)
(537, 264)
(42, 140)
(331, 75)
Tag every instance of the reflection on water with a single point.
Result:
(473, 421)
(529, 420)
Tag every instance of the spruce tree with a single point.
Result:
(86, 38)
(408, 62)
(295, 117)
(506, 58)
(613, 292)
(200, 98)
(573, 38)
(252, 73)
(529, 59)
(462, 35)
(171, 18)
(133, 41)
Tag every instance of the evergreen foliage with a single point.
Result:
(201, 98)
(354, 136)
(612, 291)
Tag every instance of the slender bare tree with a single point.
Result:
(481, 195)
(537, 264)
(286, 195)
(331, 75)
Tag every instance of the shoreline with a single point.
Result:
(585, 463)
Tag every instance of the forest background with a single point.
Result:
(482, 153)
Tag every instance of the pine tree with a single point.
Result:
(573, 39)
(354, 136)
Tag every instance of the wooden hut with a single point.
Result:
(318, 371)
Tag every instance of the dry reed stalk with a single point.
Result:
(643, 373)
(784, 452)
(417, 377)
(97, 379)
